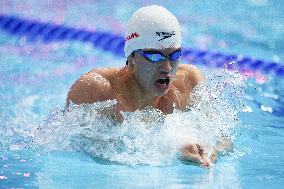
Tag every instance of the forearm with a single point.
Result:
(204, 155)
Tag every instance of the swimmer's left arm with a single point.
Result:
(223, 146)
(195, 75)
(200, 154)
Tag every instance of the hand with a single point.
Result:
(197, 154)
(223, 146)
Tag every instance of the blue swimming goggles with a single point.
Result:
(154, 56)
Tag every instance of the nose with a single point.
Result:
(166, 66)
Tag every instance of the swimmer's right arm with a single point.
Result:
(90, 88)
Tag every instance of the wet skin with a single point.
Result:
(136, 86)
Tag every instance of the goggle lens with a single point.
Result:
(156, 57)
(175, 55)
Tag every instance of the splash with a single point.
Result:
(147, 136)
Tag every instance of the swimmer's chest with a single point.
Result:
(173, 99)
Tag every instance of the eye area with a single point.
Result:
(152, 56)
(175, 55)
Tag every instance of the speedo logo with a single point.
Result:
(133, 35)
(165, 35)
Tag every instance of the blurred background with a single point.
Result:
(251, 27)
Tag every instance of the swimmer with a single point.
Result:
(152, 77)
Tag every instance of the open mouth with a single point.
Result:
(163, 83)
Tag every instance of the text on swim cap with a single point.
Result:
(133, 35)
(165, 35)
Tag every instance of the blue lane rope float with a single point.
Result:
(48, 32)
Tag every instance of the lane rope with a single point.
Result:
(49, 32)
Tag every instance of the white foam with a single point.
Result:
(148, 136)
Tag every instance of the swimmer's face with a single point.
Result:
(156, 77)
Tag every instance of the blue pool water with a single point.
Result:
(39, 143)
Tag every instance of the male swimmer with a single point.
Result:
(152, 76)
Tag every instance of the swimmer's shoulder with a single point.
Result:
(91, 87)
(190, 73)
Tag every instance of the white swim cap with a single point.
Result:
(152, 27)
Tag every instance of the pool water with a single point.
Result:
(41, 146)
